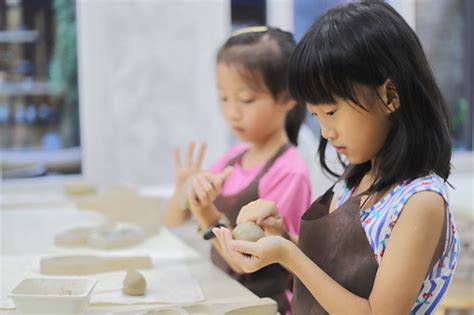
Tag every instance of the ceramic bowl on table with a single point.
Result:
(53, 295)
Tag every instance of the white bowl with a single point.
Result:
(52, 295)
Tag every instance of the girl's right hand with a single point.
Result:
(205, 188)
(264, 213)
(191, 166)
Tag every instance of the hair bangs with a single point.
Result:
(317, 75)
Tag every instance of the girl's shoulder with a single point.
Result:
(430, 182)
(394, 201)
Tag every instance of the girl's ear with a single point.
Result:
(390, 96)
(287, 101)
(290, 104)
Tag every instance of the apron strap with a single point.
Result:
(267, 165)
(235, 159)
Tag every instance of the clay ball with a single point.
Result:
(248, 231)
(134, 283)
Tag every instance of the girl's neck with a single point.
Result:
(365, 183)
(262, 151)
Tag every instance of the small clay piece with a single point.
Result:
(79, 189)
(134, 283)
(248, 231)
(183, 197)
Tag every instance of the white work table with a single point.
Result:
(28, 224)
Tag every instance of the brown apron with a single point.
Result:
(337, 243)
(270, 281)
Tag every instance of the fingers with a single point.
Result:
(244, 247)
(205, 185)
(251, 213)
(273, 226)
(189, 154)
(193, 202)
(216, 180)
(220, 235)
(257, 210)
(203, 190)
(200, 155)
(194, 163)
(271, 222)
(237, 251)
(225, 173)
(177, 158)
(225, 236)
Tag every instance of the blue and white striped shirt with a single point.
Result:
(379, 220)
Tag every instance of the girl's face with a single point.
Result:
(254, 116)
(352, 131)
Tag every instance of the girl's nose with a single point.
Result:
(234, 111)
(328, 133)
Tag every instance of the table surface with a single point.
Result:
(23, 204)
(46, 210)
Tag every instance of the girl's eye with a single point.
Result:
(223, 99)
(247, 101)
(314, 114)
(331, 113)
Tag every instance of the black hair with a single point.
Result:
(367, 43)
(262, 58)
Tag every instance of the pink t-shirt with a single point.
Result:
(286, 183)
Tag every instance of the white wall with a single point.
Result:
(280, 14)
(147, 83)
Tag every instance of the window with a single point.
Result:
(39, 102)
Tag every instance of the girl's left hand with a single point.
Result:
(251, 256)
(264, 213)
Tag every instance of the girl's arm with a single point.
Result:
(205, 188)
(400, 275)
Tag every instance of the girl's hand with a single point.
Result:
(205, 188)
(191, 166)
(265, 214)
(252, 256)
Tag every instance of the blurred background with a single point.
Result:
(106, 88)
